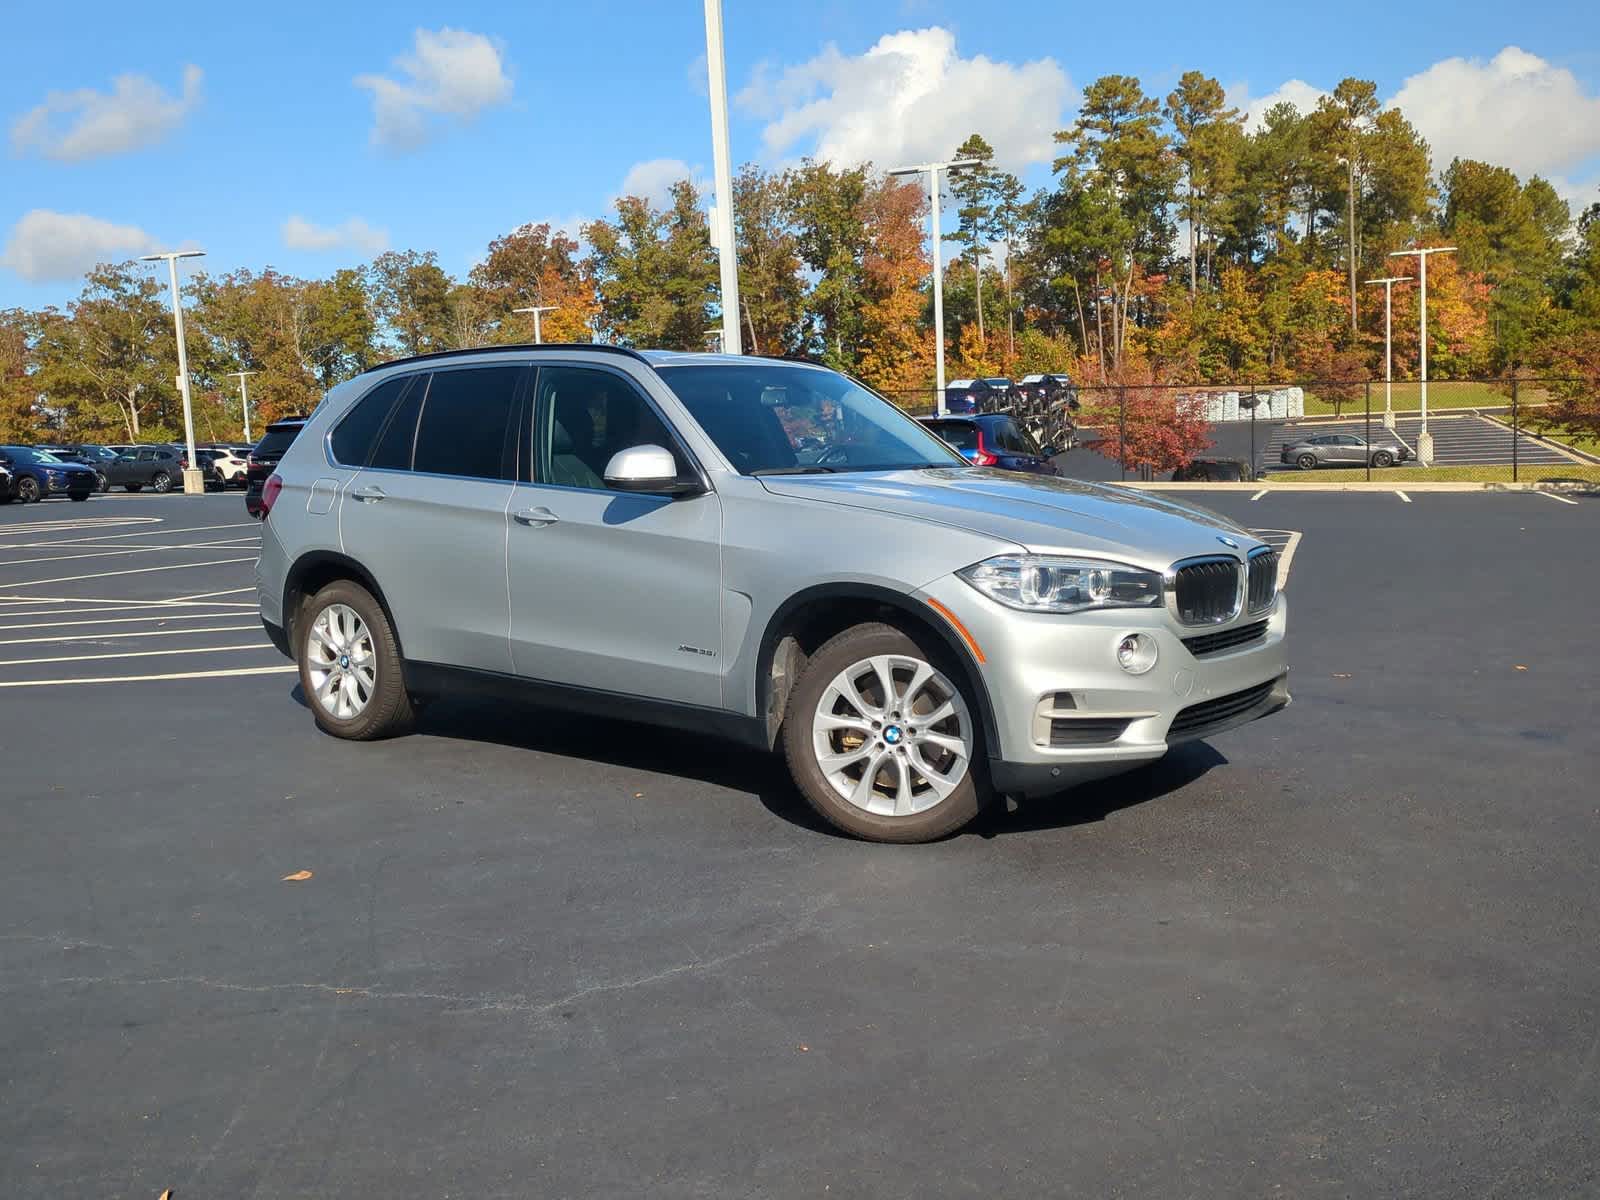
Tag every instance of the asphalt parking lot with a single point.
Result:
(1353, 949)
(1459, 439)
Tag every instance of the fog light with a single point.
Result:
(1136, 653)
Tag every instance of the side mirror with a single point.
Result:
(648, 469)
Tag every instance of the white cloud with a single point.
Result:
(450, 73)
(653, 179)
(71, 126)
(301, 234)
(1298, 92)
(910, 98)
(46, 246)
(1517, 110)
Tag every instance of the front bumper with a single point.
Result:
(1043, 670)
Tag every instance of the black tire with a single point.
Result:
(852, 646)
(79, 497)
(161, 482)
(1383, 459)
(101, 483)
(6, 497)
(388, 712)
(132, 487)
(28, 490)
(1306, 462)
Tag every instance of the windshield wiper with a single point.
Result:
(813, 469)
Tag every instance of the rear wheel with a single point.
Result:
(882, 740)
(1306, 461)
(101, 483)
(28, 489)
(162, 482)
(350, 668)
(1383, 459)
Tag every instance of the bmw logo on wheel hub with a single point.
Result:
(891, 734)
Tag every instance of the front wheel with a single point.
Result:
(1306, 462)
(162, 482)
(101, 483)
(28, 490)
(1383, 459)
(882, 740)
(350, 667)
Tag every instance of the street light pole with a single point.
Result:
(1388, 345)
(1424, 439)
(244, 398)
(932, 170)
(727, 252)
(538, 330)
(194, 480)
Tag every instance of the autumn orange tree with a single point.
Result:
(1145, 425)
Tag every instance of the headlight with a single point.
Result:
(1042, 583)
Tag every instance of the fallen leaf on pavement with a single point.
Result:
(1337, 675)
(297, 877)
(1520, 667)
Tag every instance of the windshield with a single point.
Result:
(26, 454)
(770, 417)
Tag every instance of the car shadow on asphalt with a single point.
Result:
(712, 760)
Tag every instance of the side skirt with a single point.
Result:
(437, 679)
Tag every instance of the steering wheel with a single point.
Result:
(840, 454)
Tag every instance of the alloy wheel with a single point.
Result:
(341, 662)
(892, 735)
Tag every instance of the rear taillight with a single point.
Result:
(269, 493)
(982, 457)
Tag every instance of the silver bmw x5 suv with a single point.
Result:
(761, 549)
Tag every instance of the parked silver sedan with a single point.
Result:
(1343, 450)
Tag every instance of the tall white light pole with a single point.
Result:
(194, 479)
(932, 171)
(722, 235)
(244, 397)
(1388, 343)
(538, 330)
(1424, 439)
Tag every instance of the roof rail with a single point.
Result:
(438, 354)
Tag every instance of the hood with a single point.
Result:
(1039, 512)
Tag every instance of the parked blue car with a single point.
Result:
(994, 440)
(38, 474)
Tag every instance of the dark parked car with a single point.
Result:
(87, 454)
(39, 474)
(1343, 450)
(994, 440)
(1049, 389)
(279, 437)
(8, 485)
(1215, 470)
(963, 396)
(157, 467)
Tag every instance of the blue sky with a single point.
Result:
(307, 136)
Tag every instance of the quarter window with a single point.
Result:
(354, 437)
(465, 423)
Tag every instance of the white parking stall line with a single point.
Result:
(138, 633)
(103, 552)
(205, 595)
(1286, 557)
(81, 523)
(1558, 496)
(1258, 495)
(23, 662)
(114, 536)
(75, 624)
(220, 674)
(1402, 495)
(219, 562)
(117, 604)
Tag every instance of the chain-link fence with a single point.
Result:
(1468, 429)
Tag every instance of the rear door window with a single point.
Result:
(395, 444)
(963, 435)
(466, 426)
(357, 432)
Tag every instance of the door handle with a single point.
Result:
(372, 494)
(535, 518)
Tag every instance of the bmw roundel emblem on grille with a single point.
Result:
(1228, 542)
